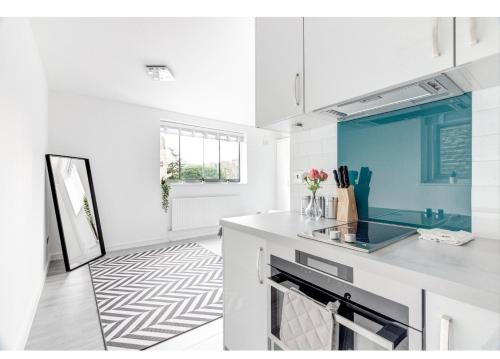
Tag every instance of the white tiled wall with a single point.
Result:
(485, 199)
(316, 148)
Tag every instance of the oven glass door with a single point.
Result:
(356, 328)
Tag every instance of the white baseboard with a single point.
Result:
(172, 236)
(32, 311)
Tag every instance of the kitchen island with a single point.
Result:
(457, 282)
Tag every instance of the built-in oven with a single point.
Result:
(364, 321)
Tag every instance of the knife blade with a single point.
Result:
(336, 177)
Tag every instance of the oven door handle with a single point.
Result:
(368, 334)
(359, 329)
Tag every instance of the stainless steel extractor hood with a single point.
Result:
(435, 88)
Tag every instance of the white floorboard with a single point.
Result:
(67, 319)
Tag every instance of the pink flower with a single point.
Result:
(323, 176)
(314, 174)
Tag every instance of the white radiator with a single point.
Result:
(197, 212)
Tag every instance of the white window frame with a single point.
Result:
(207, 132)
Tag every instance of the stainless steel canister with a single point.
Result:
(322, 205)
(331, 207)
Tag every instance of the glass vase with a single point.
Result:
(313, 210)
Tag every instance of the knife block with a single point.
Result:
(346, 210)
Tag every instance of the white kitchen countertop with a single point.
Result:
(468, 273)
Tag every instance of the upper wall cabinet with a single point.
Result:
(279, 69)
(349, 57)
(476, 38)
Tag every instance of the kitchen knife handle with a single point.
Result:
(336, 177)
(341, 177)
(346, 180)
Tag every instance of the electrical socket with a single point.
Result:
(297, 177)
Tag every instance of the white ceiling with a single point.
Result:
(212, 60)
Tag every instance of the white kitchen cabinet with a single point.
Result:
(470, 327)
(350, 57)
(245, 307)
(476, 38)
(279, 77)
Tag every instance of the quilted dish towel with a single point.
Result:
(306, 324)
(456, 238)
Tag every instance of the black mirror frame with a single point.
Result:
(58, 213)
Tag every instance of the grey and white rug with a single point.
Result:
(146, 298)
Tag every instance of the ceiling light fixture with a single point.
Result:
(159, 73)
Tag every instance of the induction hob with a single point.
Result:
(370, 236)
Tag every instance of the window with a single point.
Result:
(193, 154)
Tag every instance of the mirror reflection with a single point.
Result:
(76, 211)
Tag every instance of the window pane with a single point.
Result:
(169, 155)
(211, 159)
(229, 160)
(191, 158)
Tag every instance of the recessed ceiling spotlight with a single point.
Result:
(159, 73)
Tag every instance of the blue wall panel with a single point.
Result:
(405, 162)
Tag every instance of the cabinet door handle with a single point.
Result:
(472, 32)
(435, 37)
(259, 264)
(444, 339)
(297, 89)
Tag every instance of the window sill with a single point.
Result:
(182, 184)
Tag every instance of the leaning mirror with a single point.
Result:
(75, 209)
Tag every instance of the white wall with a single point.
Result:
(486, 162)
(23, 140)
(317, 148)
(283, 174)
(313, 148)
(122, 143)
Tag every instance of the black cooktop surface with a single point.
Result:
(369, 235)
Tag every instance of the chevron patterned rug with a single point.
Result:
(146, 298)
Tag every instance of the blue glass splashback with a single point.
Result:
(412, 166)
